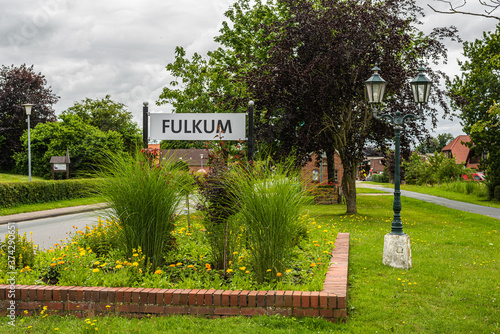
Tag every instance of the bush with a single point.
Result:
(144, 197)
(381, 178)
(18, 193)
(496, 194)
(270, 202)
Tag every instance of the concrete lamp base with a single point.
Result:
(397, 251)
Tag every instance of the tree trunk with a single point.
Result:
(349, 188)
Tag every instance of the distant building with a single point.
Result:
(463, 155)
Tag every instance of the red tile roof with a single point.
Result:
(458, 149)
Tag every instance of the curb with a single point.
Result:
(21, 217)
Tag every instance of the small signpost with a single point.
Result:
(60, 164)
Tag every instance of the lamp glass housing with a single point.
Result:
(375, 87)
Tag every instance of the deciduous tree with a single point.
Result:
(19, 85)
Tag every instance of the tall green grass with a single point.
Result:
(270, 203)
(478, 189)
(144, 198)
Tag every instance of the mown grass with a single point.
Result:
(443, 191)
(5, 177)
(51, 205)
(453, 286)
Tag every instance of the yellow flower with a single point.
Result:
(313, 264)
(268, 270)
(179, 264)
(208, 266)
(288, 271)
(172, 265)
(60, 262)
(278, 274)
(53, 265)
(243, 268)
(229, 270)
(135, 264)
(135, 254)
(95, 270)
(118, 266)
(158, 272)
(247, 272)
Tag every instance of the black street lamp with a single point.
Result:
(397, 252)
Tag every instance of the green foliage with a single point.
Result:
(435, 144)
(475, 94)
(496, 194)
(17, 193)
(108, 115)
(102, 237)
(270, 201)
(19, 85)
(435, 169)
(381, 178)
(144, 197)
(17, 252)
(87, 146)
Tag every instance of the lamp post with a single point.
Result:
(27, 107)
(397, 251)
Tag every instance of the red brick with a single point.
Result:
(24, 293)
(176, 297)
(80, 296)
(285, 312)
(55, 306)
(243, 298)
(128, 308)
(184, 300)
(39, 293)
(127, 295)
(225, 297)
(279, 299)
(288, 298)
(202, 310)
(252, 311)
(119, 294)
(217, 297)
(305, 312)
(340, 302)
(168, 296)
(155, 309)
(103, 307)
(71, 306)
(314, 299)
(63, 294)
(143, 295)
(323, 300)
(227, 311)
(233, 298)
(271, 298)
(261, 298)
(152, 294)
(252, 298)
(72, 293)
(176, 310)
(3, 290)
(305, 299)
(296, 298)
(326, 313)
(200, 297)
(209, 297)
(160, 296)
(29, 306)
(332, 301)
(339, 313)
(192, 296)
(136, 295)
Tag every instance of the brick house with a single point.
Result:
(316, 171)
(463, 155)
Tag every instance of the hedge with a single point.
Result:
(17, 193)
(381, 178)
(496, 193)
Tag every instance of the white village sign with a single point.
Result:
(220, 126)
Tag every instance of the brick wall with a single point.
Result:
(330, 303)
(307, 172)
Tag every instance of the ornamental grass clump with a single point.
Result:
(144, 196)
(270, 202)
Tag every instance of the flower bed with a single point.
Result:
(330, 303)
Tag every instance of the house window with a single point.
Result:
(335, 175)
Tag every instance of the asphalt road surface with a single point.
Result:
(474, 208)
(48, 231)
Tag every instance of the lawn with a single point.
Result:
(17, 178)
(453, 286)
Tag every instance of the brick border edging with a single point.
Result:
(330, 303)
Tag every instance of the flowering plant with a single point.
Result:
(328, 184)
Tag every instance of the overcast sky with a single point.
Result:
(92, 48)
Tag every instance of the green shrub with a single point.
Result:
(144, 197)
(18, 193)
(496, 194)
(270, 201)
(102, 238)
(381, 178)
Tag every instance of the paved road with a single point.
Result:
(474, 208)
